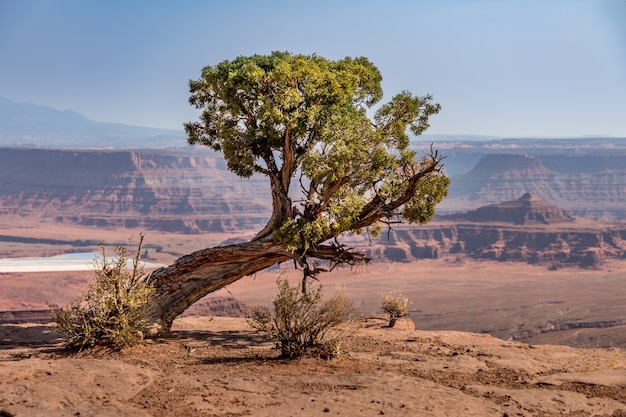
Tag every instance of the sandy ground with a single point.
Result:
(219, 367)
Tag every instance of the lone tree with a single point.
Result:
(302, 121)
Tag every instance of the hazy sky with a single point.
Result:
(502, 68)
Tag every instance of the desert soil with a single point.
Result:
(220, 367)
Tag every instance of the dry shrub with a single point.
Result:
(396, 305)
(304, 323)
(113, 311)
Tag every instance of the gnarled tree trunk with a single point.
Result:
(193, 276)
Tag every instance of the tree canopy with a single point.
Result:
(337, 161)
(307, 118)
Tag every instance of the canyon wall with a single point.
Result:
(526, 229)
(586, 178)
(188, 190)
(549, 246)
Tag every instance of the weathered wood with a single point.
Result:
(200, 273)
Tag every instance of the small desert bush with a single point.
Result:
(304, 323)
(113, 311)
(396, 305)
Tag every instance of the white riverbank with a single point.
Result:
(84, 261)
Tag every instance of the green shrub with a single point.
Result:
(113, 311)
(304, 324)
(396, 305)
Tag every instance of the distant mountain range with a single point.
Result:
(41, 126)
(34, 125)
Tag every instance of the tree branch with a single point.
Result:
(311, 212)
(287, 169)
(337, 254)
(377, 208)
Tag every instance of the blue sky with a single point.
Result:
(502, 68)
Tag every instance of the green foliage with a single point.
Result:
(113, 311)
(251, 102)
(304, 323)
(284, 115)
(396, 305)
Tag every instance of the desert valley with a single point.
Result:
(528, 252)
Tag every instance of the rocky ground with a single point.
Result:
(220, 367)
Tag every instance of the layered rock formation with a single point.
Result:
(528, 209)
(191, 191)
(523, 230)
(585, 248)
(588, 185)
(172, 190)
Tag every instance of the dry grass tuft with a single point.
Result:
(113, 311)
(304, 324)
(396, 305)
